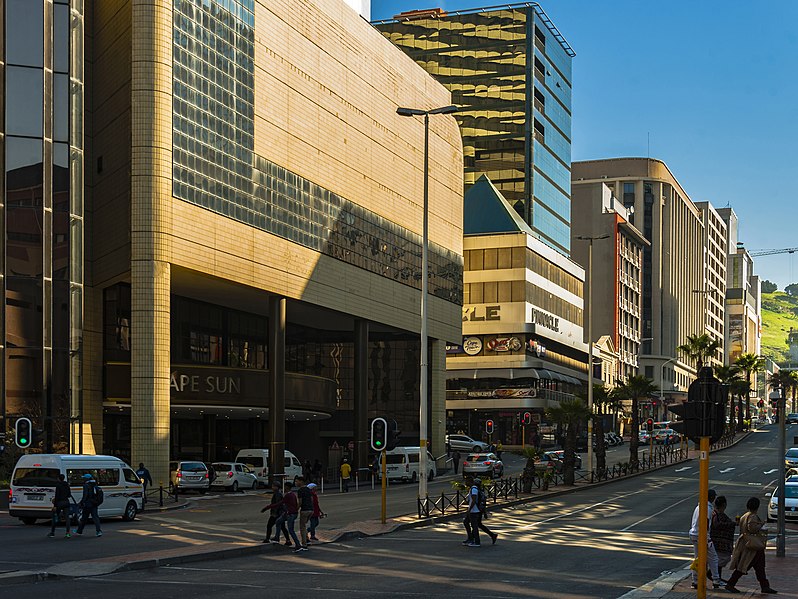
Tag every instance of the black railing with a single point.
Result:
(661, 456)
(457, 501)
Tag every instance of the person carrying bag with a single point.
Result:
(749, 550)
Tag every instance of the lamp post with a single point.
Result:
(662, 377)
(589, 318)
(780, 395)
(423, 467)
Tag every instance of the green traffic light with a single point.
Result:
(23, 440)
(378, 443)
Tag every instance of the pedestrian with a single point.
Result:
(482, 502)
(499, 449)
(456, 459)
(145, 478)
(305, 509)
(307, 471)
(317, 470)
(317, 513)
(722, 534)
(276, 509)
(91, 500)
(346, 471)
(290, 504)
(712, 556)
(63, 494)
(749, 551)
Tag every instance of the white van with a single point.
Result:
(35, 475)
(401, 463)
(258, 462)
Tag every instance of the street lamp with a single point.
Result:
(662, 377)
(423, 467)
(589, 318)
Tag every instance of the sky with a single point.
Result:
(708, 87)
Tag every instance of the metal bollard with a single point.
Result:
(160, 495)
(322, 485)
(357, 481)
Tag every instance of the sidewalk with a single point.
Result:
(782, 573)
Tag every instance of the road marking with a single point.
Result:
(657, 514)
(725, 470)
(771, 471)
(682, 469)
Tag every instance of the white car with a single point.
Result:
(465, 443)
(233, 476)
(790, 502)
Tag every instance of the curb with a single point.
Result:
(659, 587)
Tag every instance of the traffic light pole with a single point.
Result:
(384, 487)
(703, 522)
(780, 541)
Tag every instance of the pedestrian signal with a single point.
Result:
(527, 418)
(379, 434)
(489, 427)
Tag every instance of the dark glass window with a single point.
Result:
(60, 107)
(24, 241)
(24, 312)
(61, 38)
(25, 33)
(116, 322)
(24, 99)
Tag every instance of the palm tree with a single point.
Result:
(601, 401)
(633, 389)
(699, 348)
(749, 364)
(788, 380)
(739, 388)
(730, 375)
(569, 414)
(792, 377)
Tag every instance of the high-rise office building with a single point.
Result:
(42, 215)
(509, 71)
(714, 286)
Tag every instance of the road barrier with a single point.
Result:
(502, 489)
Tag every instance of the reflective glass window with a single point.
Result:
(24, 101)
(61, 38)
(25, 32)
(24, 311)
(61, 107)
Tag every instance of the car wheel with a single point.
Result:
(255, 486)
(234, 488)
(414, 478)
(431, 475)
(477, 449)
(28, 520)
(130, 512)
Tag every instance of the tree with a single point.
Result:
(569, 414)
(749, 364)
(730, 375)
(791, 289)
(633, 389)
(601, 401)
(699, 348)
(769, 286)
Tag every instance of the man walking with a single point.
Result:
(456, 460)
(276, 509)
(290, 503)
(61, 505)
(305, 510)
(712, 556)
(317, 513)
(468, 521)
(722, 534)
(146, 479)
(91, 500)
(346, 472)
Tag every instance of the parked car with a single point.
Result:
(188, 476)
(560, 455)
(645, 436)
(483, 464)
(790, 502)
(233, 476)
(792, 418)
(791, 457)
(401, 463)
(548, 461)
(257, 460)
(666, 436)
(465, 443)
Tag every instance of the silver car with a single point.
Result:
(791, 457)
(465, 443)
(483, 464)
(188, 476)
(233, 476)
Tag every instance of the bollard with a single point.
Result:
(357, 481)
(322, 485)
(160, 494)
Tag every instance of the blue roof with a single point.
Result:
(485, 210)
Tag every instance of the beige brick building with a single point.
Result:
(254, 206)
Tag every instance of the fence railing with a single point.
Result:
(457, 500)
(661, 456)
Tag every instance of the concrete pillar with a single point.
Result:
(276, 384)
(361, 432)
(437, 425)
(150, 228)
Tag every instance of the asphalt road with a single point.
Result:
(599, 542)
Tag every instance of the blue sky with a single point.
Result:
(714, 85)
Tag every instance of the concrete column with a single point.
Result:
(437, 423)
(209, 437)
(361, 432)
(150, 228)
(276, 384)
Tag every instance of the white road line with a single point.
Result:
(770, 471)
(725, 470)
(657, 514)
(683, 469)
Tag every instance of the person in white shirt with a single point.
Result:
(712, 555)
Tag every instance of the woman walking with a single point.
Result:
(749, 551)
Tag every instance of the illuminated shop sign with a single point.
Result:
(502, 393)
(481, 313)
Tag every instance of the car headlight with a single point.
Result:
(773, 506)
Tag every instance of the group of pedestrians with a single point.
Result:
(299, 500)
(62, 503)
(746, 553)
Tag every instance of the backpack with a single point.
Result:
(97, 495)
(482, 500)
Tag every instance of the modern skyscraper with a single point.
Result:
(42, 216)
(714, 286)
(509, 71)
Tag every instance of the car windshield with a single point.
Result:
(790, 492)
(223, 467)
(39, 477)
(193, 467)
(792, 452)
(255, 461)
(396, 458)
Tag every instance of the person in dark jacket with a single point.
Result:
(61, 505)
(89, 506)
(290, 503)
(274, 514)
(721, 531)
(456, 457)
(317, 513)
(146, 479)
(317, 470)
(305, 509)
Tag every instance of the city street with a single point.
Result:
(627, 533)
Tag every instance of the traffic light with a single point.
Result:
(689, 424)
(393, 435)
(23, 433)
(489, 427)
(704, 412)
(379, 434)
(650, 425)
(527, 418)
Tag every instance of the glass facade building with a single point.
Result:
(509, 72)
(42, 216)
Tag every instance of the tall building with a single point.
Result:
(673, 267)
(509, 71)
(253, 254)
(617, 277)
(714, 286)
(42, 215)
(523, 346)
(743, 295)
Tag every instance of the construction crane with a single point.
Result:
(773, 252)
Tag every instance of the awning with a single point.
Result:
(494, 373)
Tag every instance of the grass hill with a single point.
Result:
(779, 313)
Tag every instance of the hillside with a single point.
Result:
(779, 313)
